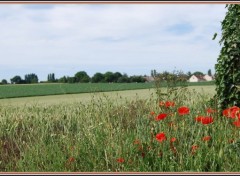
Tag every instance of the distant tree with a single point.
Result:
(4, 81)
(98, 77)
(109, 76)
(82, 77)
(62, 79)
(123, 79)
(31, 78)
(71, 79)
(51, 77)
(117, 75)
(138, 79)
(189, 74)
(209, 72)
(198, 73)
(16, 80)
(153, 73)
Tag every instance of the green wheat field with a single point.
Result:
(118, 131)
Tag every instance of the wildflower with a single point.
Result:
(143, 154)
(173, 139)
(194, 149)
(199, 118)
(231, 112)
(210, 111)
(169, 103)
(161, 137)
(206, 120)
(161, 117)
(183, 110)
(237, 123)
(120, 160)
(206, 138)
(152, 113)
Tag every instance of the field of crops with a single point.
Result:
(11, 91)
(28, 90)
(180, 131)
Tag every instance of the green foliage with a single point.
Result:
(172, 81)
(16, 80)
(198, 73)
(82, 77)
(31, 78)
(4, 81)
(91, 137)
(98, 77)
(51, 77)
(227, 67)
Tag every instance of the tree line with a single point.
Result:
(79, 77)
(107, 77)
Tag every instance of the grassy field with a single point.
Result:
(10, 91)
(125, 131)
(29, 90)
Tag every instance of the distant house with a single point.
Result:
(208, 78)
(149, 78)
(194, 78)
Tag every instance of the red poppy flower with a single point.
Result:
(194, 148)
(234, 112)
(237, 123)
(161, 117)
(120, 160)
(183, 110)
(152, 113)
(206, 138)
(169, 103)
(161, 137)
(210, 111)
(199, 118)
(173, 139)
(207, 120)
(231, 112)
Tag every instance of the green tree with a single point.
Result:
(117, 75)
(209, 72)
(62, 79)
(137, 79)
(228, 62)
(198, 73)
(98, 77)
(123, 79)
(109, 76)
(51, 77)
(31, 78)
(4, 81)
(82, 77)
(16, 80)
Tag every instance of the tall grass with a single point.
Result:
(107, 136)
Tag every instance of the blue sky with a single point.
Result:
(129, 38)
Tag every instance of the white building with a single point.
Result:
(208, 78)
(194, 78)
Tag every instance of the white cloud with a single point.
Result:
(108, 37)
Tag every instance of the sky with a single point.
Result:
(126, 38)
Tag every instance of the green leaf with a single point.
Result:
(215, 35)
